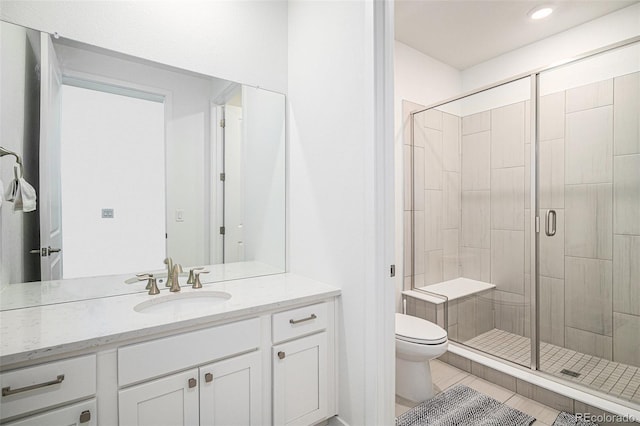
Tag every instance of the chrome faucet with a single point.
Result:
(175, 273)
(169, 262)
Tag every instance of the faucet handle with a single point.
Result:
(192, 279)
(197, 283)
(152, 284)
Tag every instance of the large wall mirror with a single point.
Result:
(134, 162)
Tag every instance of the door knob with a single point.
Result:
(45, 251)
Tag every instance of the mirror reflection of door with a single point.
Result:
(234, 180)
(113, 173)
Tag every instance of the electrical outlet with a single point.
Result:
(107, 213)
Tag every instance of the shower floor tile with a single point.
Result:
(607, 376)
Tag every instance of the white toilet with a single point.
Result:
(417, 342)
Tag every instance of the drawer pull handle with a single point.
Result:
(208, 377)
(192, 383)
(85, 416)
(8, 391)
(309, 318)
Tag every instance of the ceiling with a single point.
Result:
(463, 33)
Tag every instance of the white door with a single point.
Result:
(300, 381)
(170, 401)
(234, 170)
(82, 414)
(230, 392)
(49, 205)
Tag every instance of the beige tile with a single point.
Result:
(450, 253)
(507, 136)
(551, 174)
(467, 318)
(549, 398)
(588, 221)
(541, 412)
(451, 200)
(401, 409)
(626, 339)
(433, 119)
(527, 176)
(476, 161)
(583, 408)
(551, 305)
(408, 243)
(551, 253)
(493, 376)
(407, 108)
(590, 96)
(626, 274)
(475, 123)
(444, 375)
(433, 159)
(589, 146)
(418, 178)
(507, 198)
(475, 263)
(509, 311)
(626, 114)
(433, 267)
(451, 142)
(527, 241)
(485, 318)
(476, 219)
(459, 362)
(589, 343)
(433, 220)
(588, 295)
(418, 236)
(490, 389)
(527, 123)
(552, 116)
(507, 260)
(626, 194)
(408, 181)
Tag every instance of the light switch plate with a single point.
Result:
(107, 213)
(179, 215)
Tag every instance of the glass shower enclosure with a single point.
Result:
(524, 220)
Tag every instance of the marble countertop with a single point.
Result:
(24, 295)
(54, 329)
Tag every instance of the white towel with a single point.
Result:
(21, 194)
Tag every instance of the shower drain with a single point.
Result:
(569, 372)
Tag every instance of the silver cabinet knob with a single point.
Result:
(208, 377)
(192, 383)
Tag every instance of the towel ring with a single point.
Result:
(4, 151)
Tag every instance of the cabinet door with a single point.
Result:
(170, 401)
(82, 414)
(230, 392)
(300, 381)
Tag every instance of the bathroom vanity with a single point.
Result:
(264, 355)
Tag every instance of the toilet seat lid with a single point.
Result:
(418, 330)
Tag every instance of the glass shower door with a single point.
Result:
(589, 210)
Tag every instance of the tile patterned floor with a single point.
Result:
(614, 378)
(444, 376)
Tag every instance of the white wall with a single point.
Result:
(244, 41)
(424, 81)
(332, 186)
(116, 144)
(612, 28)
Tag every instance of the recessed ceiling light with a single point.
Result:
(540, 12)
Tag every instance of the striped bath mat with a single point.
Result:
(463, 406)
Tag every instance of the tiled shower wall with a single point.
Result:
(472, 215)
(590, 174)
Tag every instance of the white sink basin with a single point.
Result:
(182, 303)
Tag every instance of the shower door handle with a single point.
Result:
(550, 223)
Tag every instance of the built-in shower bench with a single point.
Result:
(450, 290)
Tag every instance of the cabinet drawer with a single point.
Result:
(82, 414)
(45, 385)
(147, 360)
(298, 322)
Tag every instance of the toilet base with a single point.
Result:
(413, 380)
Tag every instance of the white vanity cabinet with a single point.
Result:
(300, 366)
(40, 387)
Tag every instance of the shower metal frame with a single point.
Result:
(534, 218)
